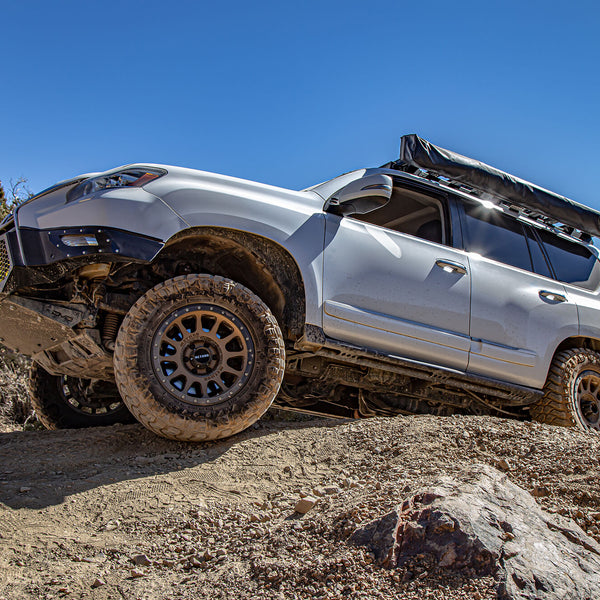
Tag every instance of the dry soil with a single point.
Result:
(119, 513)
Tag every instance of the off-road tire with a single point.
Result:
(572, 391)
(59, 403)
(172, 414)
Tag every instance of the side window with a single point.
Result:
(413, 212)
(497, 236)
(572, 262)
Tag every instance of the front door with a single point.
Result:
(395, 285)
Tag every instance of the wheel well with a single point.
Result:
(256, 262)
(579, 342)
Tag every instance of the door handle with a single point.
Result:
(553, 296)
(451, 267)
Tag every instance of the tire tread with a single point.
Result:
(217, 423)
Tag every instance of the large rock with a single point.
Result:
(481, 523)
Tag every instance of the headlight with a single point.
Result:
(126, 178)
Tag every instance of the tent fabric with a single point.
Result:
(419, 153)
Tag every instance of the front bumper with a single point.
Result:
(30, 257)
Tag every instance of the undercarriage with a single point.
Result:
(70, 330)
(320, 386)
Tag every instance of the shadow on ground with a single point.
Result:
(42, 468)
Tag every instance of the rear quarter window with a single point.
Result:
(572, 263)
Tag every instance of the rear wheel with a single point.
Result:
(572, 391)
(199, 357)
(63, 402)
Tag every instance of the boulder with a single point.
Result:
(480, 523)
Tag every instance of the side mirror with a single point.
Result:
(361, 196)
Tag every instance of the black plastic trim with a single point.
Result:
(44, 247)
(48, 260)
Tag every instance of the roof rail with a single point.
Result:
(421, 158)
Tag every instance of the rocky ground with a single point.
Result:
(118, 513)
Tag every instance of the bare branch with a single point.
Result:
(18, 191)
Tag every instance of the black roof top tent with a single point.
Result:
(493, 184)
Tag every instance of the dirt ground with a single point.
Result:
(119, 513)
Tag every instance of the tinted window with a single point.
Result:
(572, 262)
(496, 236)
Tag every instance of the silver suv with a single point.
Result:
(193, 301)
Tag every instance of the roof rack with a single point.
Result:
(421, 158)
(474, 192)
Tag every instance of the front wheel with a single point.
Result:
(199, 357)
(63, 402)
(572, 391)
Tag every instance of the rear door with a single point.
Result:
(518, 316)
(393, 282)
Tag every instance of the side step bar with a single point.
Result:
(316, 342)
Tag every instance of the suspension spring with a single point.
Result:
(109, 330)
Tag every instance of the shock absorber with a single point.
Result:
(109, 330)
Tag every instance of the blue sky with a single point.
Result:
(295, 93)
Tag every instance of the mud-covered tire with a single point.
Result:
(62, 402)
(153, 394)
(572, 391)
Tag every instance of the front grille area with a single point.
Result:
(4, 260)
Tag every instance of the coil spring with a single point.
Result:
(109, 330)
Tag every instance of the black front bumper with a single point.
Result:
(30, 257)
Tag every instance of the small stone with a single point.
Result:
(332, 489)
(24, 489)
(540, 491)
(305, 504)
(98, 582)
(112, 525)
(141, 560)
(136, 573)
(596, 516)
(503, 464)
(319, 491)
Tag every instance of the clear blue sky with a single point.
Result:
(295, 93)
